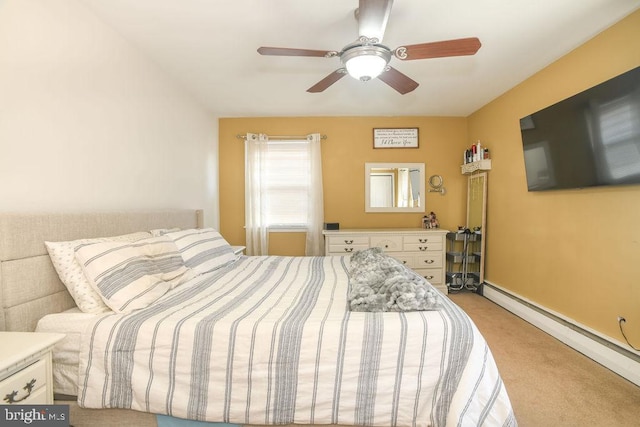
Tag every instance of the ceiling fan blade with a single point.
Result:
(457, 47)
(285, 51)
(328, 81)
(399, 81)
(373, 16)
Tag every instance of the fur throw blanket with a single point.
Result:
(379, 282)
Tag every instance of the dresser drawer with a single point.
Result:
(406, 259)
(416, 261)
(434, 245)
(348, 240)
(422, 239)
(34, 375)
(434, 276)
(387, 243)
(427, 260)
(346, 244)
(345, 249)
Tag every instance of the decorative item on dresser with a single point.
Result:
(25, 367)
(419, 249)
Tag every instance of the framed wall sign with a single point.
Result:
(395, 138)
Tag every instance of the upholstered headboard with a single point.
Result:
(29, 285)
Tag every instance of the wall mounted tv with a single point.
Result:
(590, 139)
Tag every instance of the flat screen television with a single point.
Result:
(590, 139)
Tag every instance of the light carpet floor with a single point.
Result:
(549, 383)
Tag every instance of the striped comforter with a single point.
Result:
(270, 340)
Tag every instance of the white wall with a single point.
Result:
(88, 123)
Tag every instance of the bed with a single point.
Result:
(241, 340)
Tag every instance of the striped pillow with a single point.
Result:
(130, 276)
(203, 250)
(63, 258)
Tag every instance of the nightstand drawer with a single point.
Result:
(29, 381)
(37, 397)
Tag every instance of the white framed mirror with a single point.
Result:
(394, 187)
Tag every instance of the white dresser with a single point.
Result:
(421, 250)
(25, 367)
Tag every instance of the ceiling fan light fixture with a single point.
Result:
(367, 58)
(366, 62)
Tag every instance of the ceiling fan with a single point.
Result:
(367, 58)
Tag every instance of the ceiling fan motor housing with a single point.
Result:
(365, 61)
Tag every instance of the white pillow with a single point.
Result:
(131, 276)
(62, 256)
(203, 249)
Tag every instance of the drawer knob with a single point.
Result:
(423, 248)
(429, 261)
(386, 246)
(348, 242)
(429, 277)
(423, 240)
(11, 397)
(348, 249)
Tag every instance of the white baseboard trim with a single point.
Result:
(603, 350)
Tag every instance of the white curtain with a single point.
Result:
(256, 212)
(257, 236)
(315, 240)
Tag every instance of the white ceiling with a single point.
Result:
(209, 46)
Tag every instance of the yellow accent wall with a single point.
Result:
(349, 145)
(574, 252)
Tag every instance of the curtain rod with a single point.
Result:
(244, 137)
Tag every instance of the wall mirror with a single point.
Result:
(477, 216)
(394, 187)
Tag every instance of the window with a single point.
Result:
(283, 191)
(286, 184)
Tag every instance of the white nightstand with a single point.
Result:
(25, 367)
(238, 250)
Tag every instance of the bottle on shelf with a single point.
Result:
(478, 161)
(475, 153)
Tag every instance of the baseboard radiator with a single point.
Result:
(612, 355)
